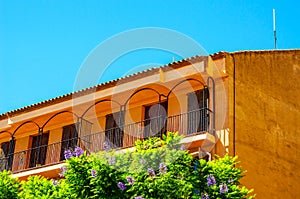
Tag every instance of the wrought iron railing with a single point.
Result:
(189, 123)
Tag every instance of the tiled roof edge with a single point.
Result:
(101, 86)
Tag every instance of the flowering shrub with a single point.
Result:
(219, 178)
(158, 168)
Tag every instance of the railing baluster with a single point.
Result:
(188, 123)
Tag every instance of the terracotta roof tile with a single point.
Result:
(141, 74)
(101, 86)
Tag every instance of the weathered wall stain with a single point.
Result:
(264, 98)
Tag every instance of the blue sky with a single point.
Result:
(43, 44)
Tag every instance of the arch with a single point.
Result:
(56, 114)
(6, 132)
(9, 156)
(210, 79)
(24, 123)
(182, 81)
(140, 90)
(98, 102)
(145, 89)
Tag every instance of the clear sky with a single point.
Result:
(44, 43)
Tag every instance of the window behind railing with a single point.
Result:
(6, 155)
(69, 139)
(85, 141)
(39, 150)
(124, 136)
(197, 120)
(113, 133)
(155, 119)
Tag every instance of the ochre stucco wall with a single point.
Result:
(264, 99)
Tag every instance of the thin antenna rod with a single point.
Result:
(274, 29)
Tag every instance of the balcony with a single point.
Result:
(190, 125)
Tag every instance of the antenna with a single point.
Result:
(274, 29)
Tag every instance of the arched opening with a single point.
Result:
(31, 156)
(6, 150)
(69, 138)
(94, 130)
(192, 101)
(146, 116)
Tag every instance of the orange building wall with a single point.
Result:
(264, 110)
(53, 150)
(134, 113)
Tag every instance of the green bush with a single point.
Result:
(219, 178)
(166, 172)
(88, 177)
(156, 169)
(37, 187)
(9, 186)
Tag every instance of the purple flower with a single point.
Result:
(211, 180)
(121, 186)
(130, 180)
(112, 160)
(139, 197)
(68, 154)
(162, 168)
(93, 173)
(54, 182)
(63, 170)
(106, 146)
(78, 151)
(204, 196)
(230, 180)
(182, 148)
(142, 161)
(151, 172)
(223, 188)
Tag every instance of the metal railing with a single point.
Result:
(189, 123)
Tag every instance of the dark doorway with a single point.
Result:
(6, 158)
(197, 111)
(38, 150)
(69, 139)
(156, 119)
(113, 131)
